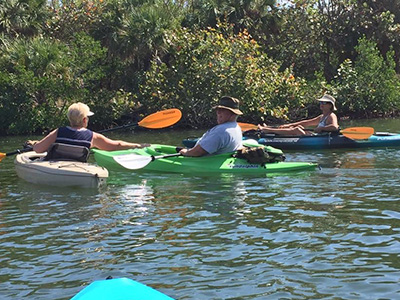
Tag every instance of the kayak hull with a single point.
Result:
(326, 141)
(317, 142)
(222, 163)
(119, 289)
(31, 168)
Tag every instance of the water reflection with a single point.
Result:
(332, 233)
(350, 159)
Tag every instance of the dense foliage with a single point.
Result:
(128, 58)
(207, 64)
(369, 86)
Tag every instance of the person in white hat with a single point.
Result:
(224, 137)
(77, 134)
(326, 122)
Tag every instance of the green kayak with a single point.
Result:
(163, 158)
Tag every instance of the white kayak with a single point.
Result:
(31, 167)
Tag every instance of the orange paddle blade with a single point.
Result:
(161, 119)
(2, 155)
(247, 126)
(358, 133)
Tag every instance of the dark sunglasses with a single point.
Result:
(325, 102)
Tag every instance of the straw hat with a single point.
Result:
(328, 98)
(229, 103)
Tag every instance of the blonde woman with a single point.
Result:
(77, 133)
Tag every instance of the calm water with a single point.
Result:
(328, 234)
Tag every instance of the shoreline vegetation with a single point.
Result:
(128, 58)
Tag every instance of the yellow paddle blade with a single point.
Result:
(247, 126)
(358, 133)
(161, 119)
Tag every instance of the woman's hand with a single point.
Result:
(318, 129)
(261, 127)
(30, 143)
(139, 146)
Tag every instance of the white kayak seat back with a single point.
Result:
(59, 151)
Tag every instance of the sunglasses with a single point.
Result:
(325, 102)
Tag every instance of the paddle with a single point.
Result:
(157, 120)
(247, 126)
(2, 155)
(355, 133)
(135, 161)
(358, 133)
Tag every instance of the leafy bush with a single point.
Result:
(21, 18)
(32, 73)
(69, 17)
(40, 78)
(369, 86)
(204, 65)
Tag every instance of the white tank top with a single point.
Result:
(322, 122)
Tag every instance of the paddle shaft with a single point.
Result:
(355, 133)
(153, 158)
(2, 155)
(119, 127)
(19, 151)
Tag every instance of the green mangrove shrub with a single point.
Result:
(369, 86)
(201, 66)
(41, 77)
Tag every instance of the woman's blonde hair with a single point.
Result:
(77, 112)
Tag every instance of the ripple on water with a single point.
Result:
(332, 233)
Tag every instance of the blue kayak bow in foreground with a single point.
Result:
(119, 289)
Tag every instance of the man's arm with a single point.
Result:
(195, 151)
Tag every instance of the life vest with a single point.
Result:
(260, 155)
(70, 136)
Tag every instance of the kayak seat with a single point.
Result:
(59, 151)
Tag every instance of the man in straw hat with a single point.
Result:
(224, 137)
(77, 133)
(327, 121)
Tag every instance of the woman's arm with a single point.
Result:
(304, 123)
(297, 130)
(104, 143)
(44, 144)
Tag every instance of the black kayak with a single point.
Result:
(317, 141)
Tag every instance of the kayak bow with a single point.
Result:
(119, 289)
(32, 168)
